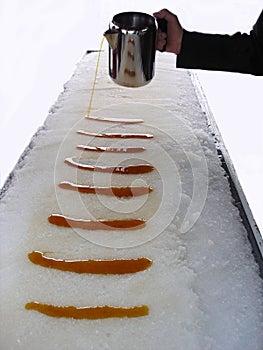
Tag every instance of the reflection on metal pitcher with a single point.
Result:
(131, 37)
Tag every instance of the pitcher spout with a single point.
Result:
(112, 37)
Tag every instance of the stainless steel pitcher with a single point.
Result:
(131, 37)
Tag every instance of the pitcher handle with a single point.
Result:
(162, 26)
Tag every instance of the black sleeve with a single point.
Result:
(241, 53)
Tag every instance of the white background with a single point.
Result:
(41, 41)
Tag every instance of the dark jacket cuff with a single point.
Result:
(237, 53)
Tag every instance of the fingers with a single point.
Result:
(160, 40)
(164, 13)
(174, 32)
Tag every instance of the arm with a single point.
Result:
(237, 53)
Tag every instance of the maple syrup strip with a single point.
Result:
(111, 149)
(104, 267)
(117, 135)
(120, 192)
(115, 120)
(90, 313)
(125, 224)
(122, 170)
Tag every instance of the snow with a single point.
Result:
(203, 289)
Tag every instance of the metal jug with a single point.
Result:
(131, 37)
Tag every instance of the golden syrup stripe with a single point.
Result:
(102, 267)
(116, 135)
(125, 224)
(121, 170)
(90, 313)
(115, 120)
(120, 192)
(111, 149)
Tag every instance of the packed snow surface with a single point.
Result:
(203, 288)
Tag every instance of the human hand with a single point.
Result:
(173, 38)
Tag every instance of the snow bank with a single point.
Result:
(203, 289)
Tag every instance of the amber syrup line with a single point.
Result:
(95, 77)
